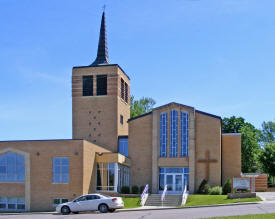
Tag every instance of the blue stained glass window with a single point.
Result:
(123, 146)
(163, 135)
(12, 167)
(60, 170)
(174, 133)
(184, 134)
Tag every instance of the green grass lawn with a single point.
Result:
(131, 202)
(197, 200)
(254, 216)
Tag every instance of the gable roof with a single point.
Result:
(175, 103)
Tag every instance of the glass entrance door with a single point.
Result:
(178, 182)
(170, 182)
(174, 182)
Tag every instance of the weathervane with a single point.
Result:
(104, 6)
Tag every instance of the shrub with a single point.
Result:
(135, 190)
(216, 190)
(226, 187)
(204, 187)
(125, 190)
(141, 188)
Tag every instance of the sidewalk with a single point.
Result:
(147, 208)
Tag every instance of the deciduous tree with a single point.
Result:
(141, 106)
(250, 141)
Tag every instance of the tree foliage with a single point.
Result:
(267, 159)
(204, 187)
(141, 106)
(268, 132)
(250, 141)
(227, 187)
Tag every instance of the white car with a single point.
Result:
(91, 202)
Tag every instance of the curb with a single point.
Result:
(173, 208)
(138, 209)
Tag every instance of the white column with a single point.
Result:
(116, 176)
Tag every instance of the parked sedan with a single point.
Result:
(91, 202)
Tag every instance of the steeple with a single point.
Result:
(102, 51)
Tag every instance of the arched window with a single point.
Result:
(12, 167)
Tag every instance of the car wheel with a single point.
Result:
(65, 210)
(103, 208)
(112, 210)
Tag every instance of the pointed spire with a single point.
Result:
(102, 51)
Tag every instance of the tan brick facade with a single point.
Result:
(140, 150)
(208, 138)
(41, 153)
(204, 137)
(97, 118)
(231, 156)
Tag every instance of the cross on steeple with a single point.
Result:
(207, 162)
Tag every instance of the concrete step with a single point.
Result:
(170, 200)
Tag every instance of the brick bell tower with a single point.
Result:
(100, 99)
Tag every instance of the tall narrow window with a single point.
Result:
(121, 119)
(60, 170)
(184, 134)
(101, 85)
(123, 145)
(87, 85)
(122, 89)
(163, 135)
(174, 133)
(126, 92)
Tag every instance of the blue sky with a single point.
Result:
(215, 55)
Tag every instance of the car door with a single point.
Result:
(92, 202)
(80, 204)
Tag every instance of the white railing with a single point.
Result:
(184, 196)
(144, 195)
(163, 194)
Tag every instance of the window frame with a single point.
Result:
(14, 165)
(99, 90)
(121, 119)
(122, 89)
(126, 92)
(85, 92)
(106, 188)
(60, 201)
(174, 133)
(60, 169)
(163, 134)
(118, 145)
(184, 134)
(13, 201)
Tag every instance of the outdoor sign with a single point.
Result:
(241, 183)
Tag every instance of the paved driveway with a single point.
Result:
(187, 213)
(266, 196)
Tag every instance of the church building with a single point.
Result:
(174, 145)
